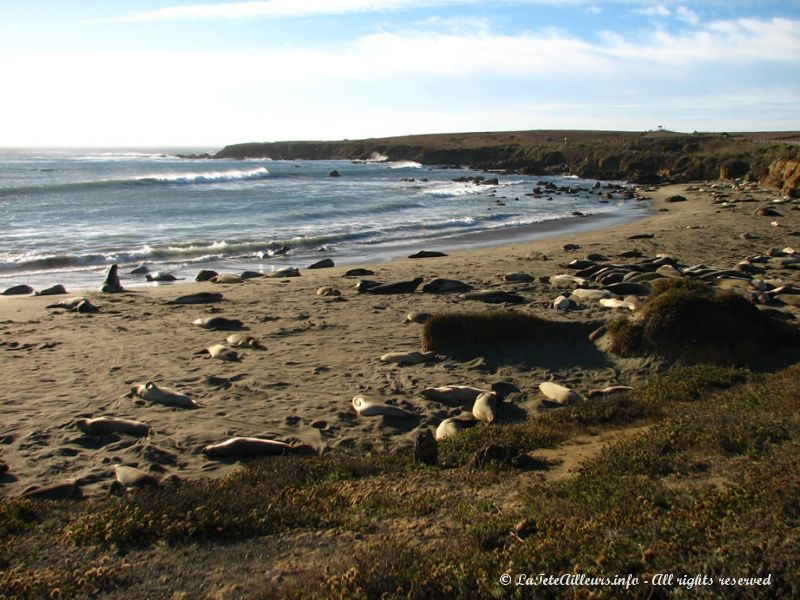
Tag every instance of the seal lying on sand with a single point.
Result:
(226, 278)
(218, 323)
(559, 393)
(109, 425)
(452, 393)
(153, 393)
(162, 277)
(129, 477)
(205, 275)
(220, 352)
(242, 340)
(408, 358)
(77, 304)
(366, 408)
(417, 317)
(451, 426)
(111, 284)
(400, 287)
(247, 446)
(485, 408)
(198, 298)
(441, 286)
(53, 290)
(287, 272)
(18, 290)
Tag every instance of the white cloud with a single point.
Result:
(658, 10)
(687, 15)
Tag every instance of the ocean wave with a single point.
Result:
(185, 178)
(405, 164)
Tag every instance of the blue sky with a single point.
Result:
(156, 72)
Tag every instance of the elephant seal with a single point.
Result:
(559, 393)
(161, 277)
(198, 298)
(85, 306)
(517, 278)
(451, 426)
(129, 477)
(590, 295)
(366, 408)
(358, 273)
(607, 391)
(140, 270)
(218, 323)
(325, 263)
(53, 290)
(111, 284)
(365, 285)
(287, 272)
(241, 340)
(153, 393)
(205, 275)
(567, 281)
(417, 317)
(68, 303)
(226, 278)
(109, 425)
(408, 358)
(427, 254)
(251, 275)
(221, 352)
(485, 407)
(493, 297)
(564, 303)
(616, 303)
(452, 393)
(327, 291)
(247, 446)
(18, 290)
(400, 287)
(441, 286)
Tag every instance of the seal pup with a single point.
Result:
(205, 275)
(247, 446)
(408, 358)
(111, 284)
(559, 393)
(198, 298)
(226, 278)
(129, 477)
(417, 317)
(109, 425)
(441, 286)
(18, 290)
(485, 407)
(153, 393)
(161, 277)
(327, 291)
(452, 393)
(366, 408)
(218, 323)
(242, 340)
(220, 352)
(400, 287)
(53, 290)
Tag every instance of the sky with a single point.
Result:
(206, 74)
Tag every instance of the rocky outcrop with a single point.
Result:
(784, 174)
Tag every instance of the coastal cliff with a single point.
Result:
(639, 157)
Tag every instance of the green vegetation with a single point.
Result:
(708, 483)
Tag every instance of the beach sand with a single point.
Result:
(319, 352)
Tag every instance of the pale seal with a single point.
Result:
(109, 425)
(247, 446)
(588, 295)
(616, 303)
(153, 393)
(447, 429)
(417, 317)
(129, 477)
(287, 272)
(111, 284)
(68, 303)
(366, 408)
(452, 393)
(226, 278)
(198, 298)
(327, 291)
(567, 281)
(559, 393)
(221, 352)
(485, 407)
(242, 340)
(218, 323)
(408, 358)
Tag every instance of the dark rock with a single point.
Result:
(358, 273)
(325, 263)
(675, 198)
(205, 275)
(52, 290)
(334, 173)
(766, 211)
(427, 254)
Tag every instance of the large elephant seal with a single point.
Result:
(218, 323)
(205, 275)
(452, 393)
(408, 358)
(427, 254)
(400, 287)
(286, 272)
(325, 263)
(198, 298)
(111, 284)
(366, 408)
(153, 393)
(242, 340)
(109, 425)
(162, 277)
(443, 286)
(247, 446)
(485, 407)
(18, 290)
(559, 393)
(53, 290)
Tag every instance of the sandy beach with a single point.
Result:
(318, 352)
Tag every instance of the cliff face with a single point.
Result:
(640, 158)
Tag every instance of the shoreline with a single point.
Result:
(320, 351)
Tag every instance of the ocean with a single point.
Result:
(69, 214)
